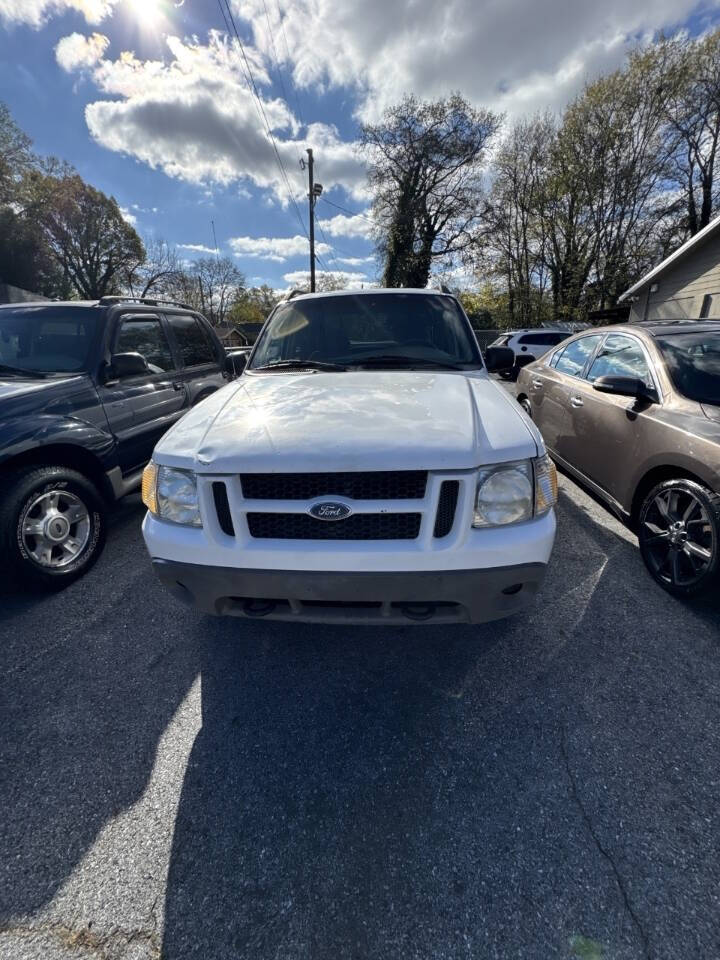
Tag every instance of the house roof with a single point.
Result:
(682, 251)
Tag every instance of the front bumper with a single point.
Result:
(446, 596)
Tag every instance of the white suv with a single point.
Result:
(365, 468)
(528, 345)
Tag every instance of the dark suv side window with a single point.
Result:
(144, 334)
(193, 341)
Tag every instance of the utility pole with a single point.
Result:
(311, 211)
(314, 191)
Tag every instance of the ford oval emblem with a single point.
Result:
(330, 510)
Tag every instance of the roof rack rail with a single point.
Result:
(444, 288)
(148, 301)
(295, 293)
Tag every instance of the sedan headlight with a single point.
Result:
(514, 492)
(171, 494)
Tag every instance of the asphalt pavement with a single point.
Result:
(182, 786)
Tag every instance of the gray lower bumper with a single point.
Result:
(452, 596)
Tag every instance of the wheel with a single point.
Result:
(679, 534)
(525, 404)
(52, 525)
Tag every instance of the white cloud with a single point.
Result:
(278, 249)
(76, 51)
(517, 55)
(301, 278)
(357, 225)
(355, 261)
(36, 12)
(196, 248)
(128, 217)
(193, 116)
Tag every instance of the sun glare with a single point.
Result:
(148, 13)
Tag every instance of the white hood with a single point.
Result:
(358, 420)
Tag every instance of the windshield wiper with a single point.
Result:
(300, 365)
(390, 360)
(19, 371)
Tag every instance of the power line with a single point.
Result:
(345, 210)
(287, 52)
(253, 87)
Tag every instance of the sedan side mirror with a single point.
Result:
(236, 362)
(625, 387)
(499, 358)
(128, 365)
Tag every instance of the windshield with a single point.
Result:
(693, 361)
(40, 339)
(384, 329)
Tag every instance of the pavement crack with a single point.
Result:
(604, 852)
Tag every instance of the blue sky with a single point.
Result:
(149, 99)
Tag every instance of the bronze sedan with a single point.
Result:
(633, 412)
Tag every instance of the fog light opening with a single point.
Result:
(418, 611)
(258, 608)
(515, 588)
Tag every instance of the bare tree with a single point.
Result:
(157, 273)
(212, 285)
(687, 72)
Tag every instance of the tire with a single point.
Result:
(52, 525)
(525, 404)
(679, 535)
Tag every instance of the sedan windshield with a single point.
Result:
(693, 361)
(38, 339)
(373, 331)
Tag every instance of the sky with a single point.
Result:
(155, 103)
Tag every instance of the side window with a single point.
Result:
(194, 343)
(540, 339)
(144, 335)
(620, 356)
(573, 358)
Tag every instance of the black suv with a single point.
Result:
(86, 391)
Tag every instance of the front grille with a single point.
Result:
(222, 508)
(381, 485)
(360, 526)
(446, 508)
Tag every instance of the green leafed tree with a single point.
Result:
(91, 242)
(426, 164)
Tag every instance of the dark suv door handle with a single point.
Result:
(178, 386)
(537, 384)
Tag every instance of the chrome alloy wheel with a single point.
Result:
(679, 537)
(55, 528)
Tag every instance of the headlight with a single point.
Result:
(513, 492)
(504, 494)
(171, 494)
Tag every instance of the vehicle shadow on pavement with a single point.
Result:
(490, 791)
(89, 687)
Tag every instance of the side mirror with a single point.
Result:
(624, 387)
(236, 362)
(499, 358)
(128, 365)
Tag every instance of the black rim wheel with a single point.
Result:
(678, 537)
